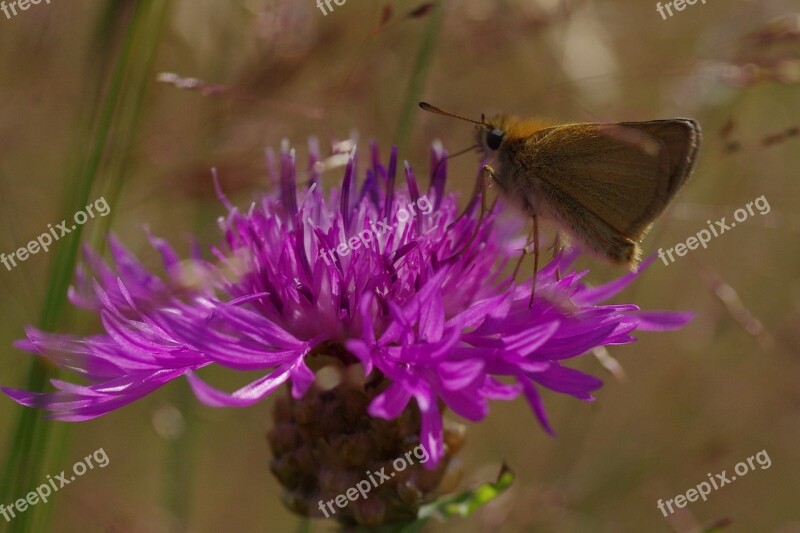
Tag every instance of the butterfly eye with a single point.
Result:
(495, 138)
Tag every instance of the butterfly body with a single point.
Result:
(604, 184)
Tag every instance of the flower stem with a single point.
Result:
(37, 446)
(416, 83)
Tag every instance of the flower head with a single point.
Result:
(374, 272)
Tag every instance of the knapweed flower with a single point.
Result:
(372, 276)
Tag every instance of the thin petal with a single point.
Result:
(243, 397)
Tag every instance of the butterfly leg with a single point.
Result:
(557, 248)
(486, 170)
(479, 188)
(535, 254)
(522, 256)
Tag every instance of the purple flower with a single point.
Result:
(374, 270)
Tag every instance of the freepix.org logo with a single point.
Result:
(679, 5)
(363, 487)
(43, 242)
(717, 481)
(716, 229)
(377, 229)
(10, 8)
(322, 4)
(53, 484)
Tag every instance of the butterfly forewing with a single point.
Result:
(623, 174)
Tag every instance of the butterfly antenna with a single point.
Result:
(433, 109)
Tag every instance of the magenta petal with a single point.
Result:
(84, 403)
(443, 324)
(496, 390)
(361, 352)
(535, 401)
(567, 381)
(302, 377)
(662, 320)
(459, 374)
(467, 403)
(390, 403)
(476, 313)
(529, 341)
(611, 289)
(431, 435)
(243, 397)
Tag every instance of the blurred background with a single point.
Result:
(97, 99)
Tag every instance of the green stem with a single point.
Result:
(18, 464)
(180, 461)
(36, 446)
(304, 526)
(408, 111)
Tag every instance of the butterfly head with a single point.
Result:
(490, 135)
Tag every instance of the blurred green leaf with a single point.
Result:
(416, 83)
(461, 505)
(470, 501)
(38, 446)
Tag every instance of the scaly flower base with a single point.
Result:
(325, 444)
